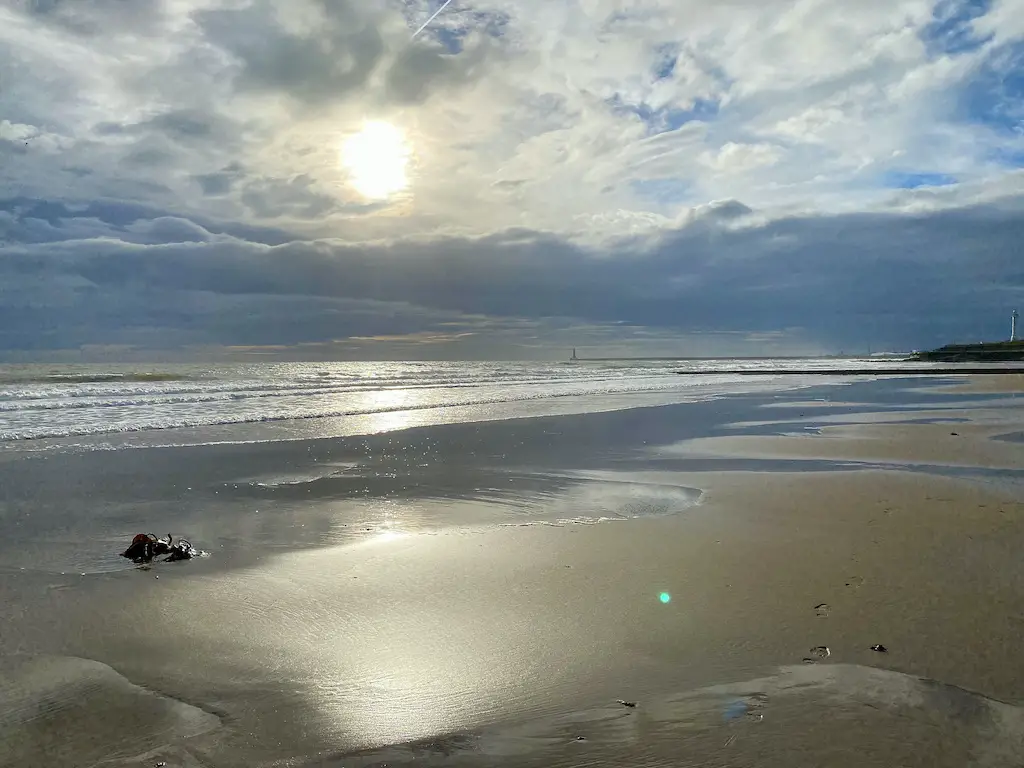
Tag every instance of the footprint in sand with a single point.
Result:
(855, 581)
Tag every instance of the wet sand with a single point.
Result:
(1005, 383)
(534, 572)
(951, 445)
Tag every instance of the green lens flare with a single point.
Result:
(665, 597)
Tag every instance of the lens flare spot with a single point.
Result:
(665, 597)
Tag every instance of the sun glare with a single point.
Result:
(376, 160)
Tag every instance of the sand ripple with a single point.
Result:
(78, 712)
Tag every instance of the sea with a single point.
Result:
(43, 407)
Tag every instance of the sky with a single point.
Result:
(304, 179)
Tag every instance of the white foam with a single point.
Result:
(95, 407)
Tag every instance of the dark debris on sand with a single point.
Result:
(817, 653)
(146, 546)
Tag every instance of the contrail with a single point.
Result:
(427, 22)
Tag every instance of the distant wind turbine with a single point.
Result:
(427, 22)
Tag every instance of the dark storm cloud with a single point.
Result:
(418, 70)
(910, 280)
(329, 61)
(334, 58)
(96, 218)
(221, 182)
(157, 318)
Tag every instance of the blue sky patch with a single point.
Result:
(994, 97)
(913, 179)
(452, 26)
(451, 39)
(666, 119)
(665, 61)
(951, 30)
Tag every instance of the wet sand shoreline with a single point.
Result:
(333, 643)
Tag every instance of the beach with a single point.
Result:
(499, 589)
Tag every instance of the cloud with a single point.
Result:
(419, 337)
(320, 54)
(173, 172)
(738, 158)
(95, 18)
(855, 279)
(16, 131)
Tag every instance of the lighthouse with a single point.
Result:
(1013, 326)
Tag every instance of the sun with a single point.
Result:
(376, 160)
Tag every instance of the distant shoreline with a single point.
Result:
(856, 371)
(984, 352)
(675, 358)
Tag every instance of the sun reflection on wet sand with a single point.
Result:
(383, 537)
